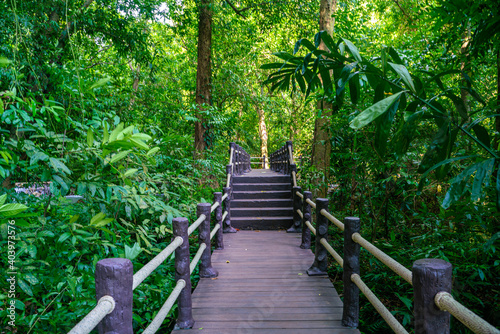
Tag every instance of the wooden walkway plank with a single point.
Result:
(263, 288)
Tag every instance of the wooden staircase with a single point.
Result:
(262, 200)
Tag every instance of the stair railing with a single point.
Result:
(431, 278)
(282, 161)
(115, 280)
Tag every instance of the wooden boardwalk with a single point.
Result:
(263, 288)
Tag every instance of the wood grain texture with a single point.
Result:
(263, 288)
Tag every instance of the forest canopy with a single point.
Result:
(392, 107)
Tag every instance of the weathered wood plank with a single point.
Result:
(263, 288)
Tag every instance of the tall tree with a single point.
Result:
(203, 73)
(322, 148)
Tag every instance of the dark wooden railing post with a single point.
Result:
(232, 146)
(227, 207)
(306, 212)
(206, 269)
(114, 277)
(264, 162)
(229, 171)
(219, 241)
(185, 306)
(289, 148)
(297, 221)
(350, 316)
(430, 276)
(321, 254)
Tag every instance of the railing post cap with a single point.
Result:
(114, 262)
(296, 188)
(319, 199)
(435, 264)
(204, 205)
(351, 218)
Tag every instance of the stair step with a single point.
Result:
(259, 203)
(264, 194)
(261, 212)
(261, 223)
(261, 186)
(262, 179)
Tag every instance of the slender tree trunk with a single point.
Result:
(204, 72)
(321, 149)
(262, 132)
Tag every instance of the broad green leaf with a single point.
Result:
(403, 137)
(9, 210)
(25, 287)
(105, 137)
(130, 172)
(437, 150)
(63, 184)
(483, 174)
(114, 135)
(132, 252)
(90, 137)
(98, 217)
(152, 151)
(63, 237)
(327, 39)
(100, 83)
(354, 88)
(37, 157)
(482, 134)
(394, 55)
(31, 279)
(59, 166)
(103, 222)
(384, 123)
(3, 198)
(354, 51)
(4, 62)
(141, 136)
(459, 183)
(118, 156)
(283, 55)
(402, 71)
(370, 114)
(141, 144)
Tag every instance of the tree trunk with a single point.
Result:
(203, 74)
(262, 132)
(321, 149)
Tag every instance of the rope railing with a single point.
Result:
(429, 277)
(384, 258)
(446, 302)
(145, 271)
(167, 306)
(105, 306)
(117, 275)
(197, 257)
(379, 307)
(196, 223)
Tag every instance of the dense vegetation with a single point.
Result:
(106, 99)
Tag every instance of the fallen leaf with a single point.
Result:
(215, 278)
(227, 261)
(300, 274)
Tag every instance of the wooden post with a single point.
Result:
(232, 159)
(297, 221)
(306, 212)
(227, 207)
(264, 162)
(288, 148)
(219, 242)
(206, 269)
(114, 277)
(321, 254)
(350, 316)
(229, 169)
(430, 276)
(185, 306)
